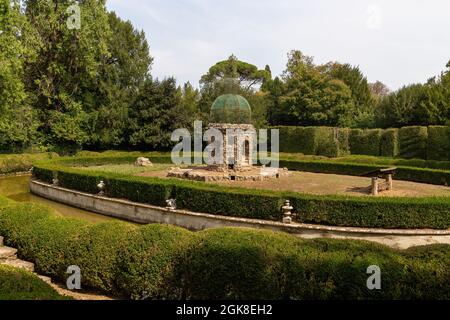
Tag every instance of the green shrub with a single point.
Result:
(343, 147)
(18, 284)
(48, 242)
(98, 251)
(408, 213)
(228, 264)
(308, 140)
(17, 217)
(326, 142)
(389, 143)
(12, 163)
(367, 141)
(167, 262)
(413, 142)
(296, 139)
(266, 204)
(438, 143)
(146, 265)
(229, 202)
(150, 191)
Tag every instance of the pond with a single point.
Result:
(17, 189)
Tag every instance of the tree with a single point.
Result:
(249, 76)
(379, 90)
(190, 98)
(417, 104)
(249, 79)
(362, 97)
(307, 96)
(62, 79)
(122, 75)
(17, 123)
(155, 114)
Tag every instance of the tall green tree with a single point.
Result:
(122, 75)
(250, 80)
(361, 95)
(17, 122)
(155, 114)
(308, 96)
(62, 79)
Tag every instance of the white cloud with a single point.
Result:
(396, 42)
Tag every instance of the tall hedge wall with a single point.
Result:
(413, 142)
(367, 141)
(309, 140)
(438, 143)
(389, 143)
(432, 143)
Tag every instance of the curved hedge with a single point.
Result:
(159, 262)
(18, 284)
(370, 212)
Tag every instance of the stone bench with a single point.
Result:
(384, 173)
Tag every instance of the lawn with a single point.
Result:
(18, 284)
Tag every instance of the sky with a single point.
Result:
(397, 42)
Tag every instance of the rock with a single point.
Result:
(143, 162)
(7, 253)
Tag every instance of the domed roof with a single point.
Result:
(231, 108)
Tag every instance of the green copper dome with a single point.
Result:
(231, 108)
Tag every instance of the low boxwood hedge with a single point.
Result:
(166, 262)
(383, 212)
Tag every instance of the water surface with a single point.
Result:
(17, 189)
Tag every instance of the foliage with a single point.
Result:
(166, 262)
(413, 142)
(438, 143)
(18, 284)
(367, 141)
(338, 210)
(12, 163)
(156, 112)
(309, 97)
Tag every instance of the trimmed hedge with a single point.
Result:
(366, 141)
(438, 143)
(413, 142)
(18, 284)
(266, 204)
(389, 143)
(309, 140)
(166, 262)
(432, 143)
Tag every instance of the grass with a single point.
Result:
(129, 169)
(18, 284)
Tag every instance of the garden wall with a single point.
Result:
(432, 143)
(370, 212)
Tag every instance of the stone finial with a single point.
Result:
(101, 186)
(287, 214)
(55, 182)
(171, 204)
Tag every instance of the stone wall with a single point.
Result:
(142, 213)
